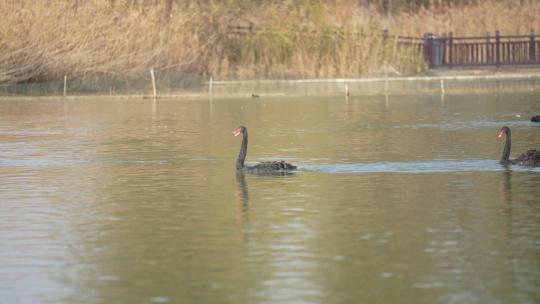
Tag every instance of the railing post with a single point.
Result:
(65, 85)
(428, 46)
(532, 47)
(450, 47)
(154, 90)
(497, 48)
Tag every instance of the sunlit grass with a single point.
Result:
(45, 40)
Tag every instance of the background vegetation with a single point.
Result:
(45, 40)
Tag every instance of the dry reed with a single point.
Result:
(45, 40)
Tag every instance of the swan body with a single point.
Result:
(273, 166)
(530, 158)
(270, 166)
(535, 118)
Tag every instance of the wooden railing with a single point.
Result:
(449, 51)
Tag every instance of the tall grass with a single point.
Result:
(509, 17)
(44, 40)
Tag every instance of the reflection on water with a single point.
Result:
(243, 194)
(398, 199)
(506, 181)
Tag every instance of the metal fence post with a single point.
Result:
(497, 48)
(450, 47)
(532, 47)
(428, 46)
(489, 52)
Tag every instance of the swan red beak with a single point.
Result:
(501, 133)
(237, 131)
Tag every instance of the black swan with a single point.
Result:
(271, 166)
(535, 118)
(529, 158)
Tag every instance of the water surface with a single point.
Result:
(398, 200)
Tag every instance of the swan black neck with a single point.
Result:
(243, 150)
(507, 145)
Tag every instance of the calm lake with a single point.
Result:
(398, 200)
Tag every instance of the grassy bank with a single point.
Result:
(44, 40)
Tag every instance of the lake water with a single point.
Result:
(398, 200)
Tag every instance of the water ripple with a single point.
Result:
(454, 125)
(417, 167)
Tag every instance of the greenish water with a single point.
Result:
(398, 200)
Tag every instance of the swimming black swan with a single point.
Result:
(529, 158)
(272, 166)
(535, 118)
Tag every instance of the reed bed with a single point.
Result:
(45, 40)
(509, 17)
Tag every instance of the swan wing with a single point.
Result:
(274, 166)
(529, 158)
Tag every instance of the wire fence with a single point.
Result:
(170, 85)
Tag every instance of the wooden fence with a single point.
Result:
(449, 51)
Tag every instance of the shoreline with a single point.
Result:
(437, 81)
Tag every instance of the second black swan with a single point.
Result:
(271, 166)
(535, 118)
(529, 158)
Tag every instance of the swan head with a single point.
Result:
(239, 130)
(504, 130)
